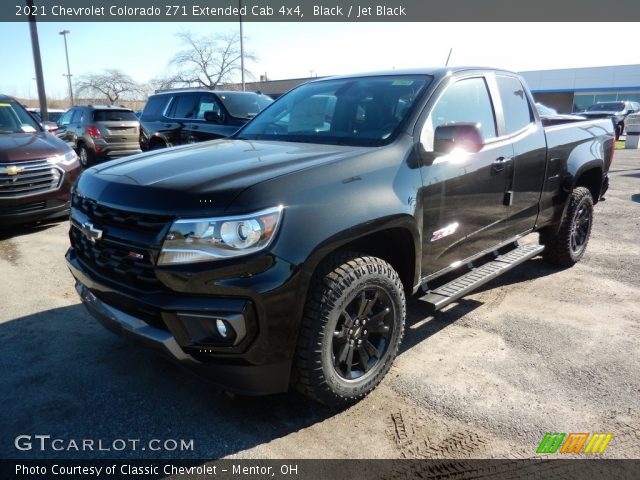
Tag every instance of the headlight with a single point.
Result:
(206, 239)
(63, 159)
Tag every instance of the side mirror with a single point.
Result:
(213, 117)
(465, 136)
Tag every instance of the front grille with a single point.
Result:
(103, 215)
(126, 251)
(25, 208)
(28, 178)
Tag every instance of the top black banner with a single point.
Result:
(319, 10)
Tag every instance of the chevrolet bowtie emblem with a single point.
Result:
(12, 170)
(90, 232)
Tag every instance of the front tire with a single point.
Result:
(351, 330)
(567, 245)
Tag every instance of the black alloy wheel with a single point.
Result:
(362, 335)
(351, 329)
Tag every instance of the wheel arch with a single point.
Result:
(395, 240)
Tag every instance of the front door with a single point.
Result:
(463, 194)
(200, 129)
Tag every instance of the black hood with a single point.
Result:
(203, 178)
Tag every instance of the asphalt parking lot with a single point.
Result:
(537, 350)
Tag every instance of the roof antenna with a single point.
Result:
(448, 57)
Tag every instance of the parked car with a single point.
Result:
(54, 115)
(616, 111)
(550, 116)
(100, 132)
(37, 169)
(283, 255)
(176, 117)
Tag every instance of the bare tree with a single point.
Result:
(207, 60)
(113, 84)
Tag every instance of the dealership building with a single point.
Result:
(566, 90)
(574, 89)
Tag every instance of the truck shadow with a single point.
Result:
(65, 376)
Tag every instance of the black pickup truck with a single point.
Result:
(283, 256)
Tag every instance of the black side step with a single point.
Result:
(461, 286)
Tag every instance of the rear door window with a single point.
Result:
(155, 107)
(184, 106)
(517, 110)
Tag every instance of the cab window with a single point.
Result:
(515, 105)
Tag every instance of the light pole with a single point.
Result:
(37, 62)
(241, 46)
(68, 75)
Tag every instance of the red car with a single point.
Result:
(37, 169)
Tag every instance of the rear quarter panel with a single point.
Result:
(572, 149)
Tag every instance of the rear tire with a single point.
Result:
(566, 246)
(85, 156)
(351, 330)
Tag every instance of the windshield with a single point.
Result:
(353, 111)
(606, 107)
(244, 105)
(55, 116)
(15, 119)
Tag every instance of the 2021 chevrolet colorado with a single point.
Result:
(283, 255)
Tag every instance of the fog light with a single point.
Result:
(222, 328)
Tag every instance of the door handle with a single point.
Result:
(499, 163)
(195, 127)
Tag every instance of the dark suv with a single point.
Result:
(100, 132)
(176, 117)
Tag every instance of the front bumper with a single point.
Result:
(177, 321)
(245, 379)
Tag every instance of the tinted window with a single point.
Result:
(154, 107)
(466, 101)
(515, 104)
(77, 116)
(184, 106)
(352, 111)
(54, 116)
(244, 105)
(208, 103)
(114, 116)
(15, 119)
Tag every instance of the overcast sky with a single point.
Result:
(292, 50)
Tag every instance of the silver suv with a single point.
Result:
(100, 132)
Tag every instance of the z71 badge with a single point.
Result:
(443, 232)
